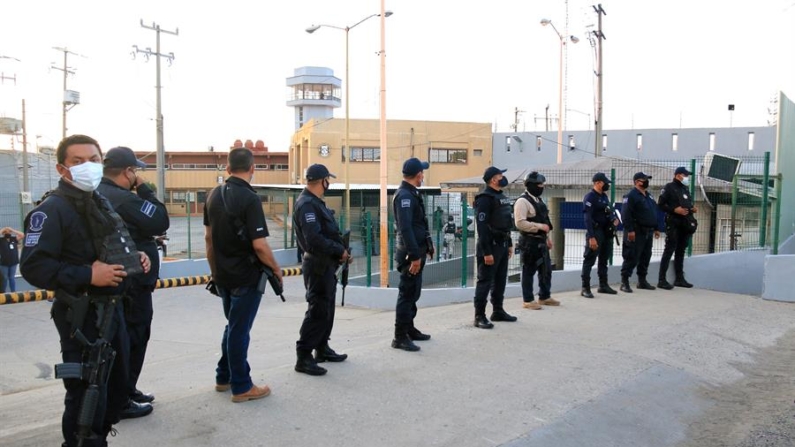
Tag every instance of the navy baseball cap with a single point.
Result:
(317, 172)
(600, 177)
(682, 170)
(491, 171)
(414, 166)
(640, 176)
(122, 157)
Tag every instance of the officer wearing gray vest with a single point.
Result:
(494, 247)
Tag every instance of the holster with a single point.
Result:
(78, 308)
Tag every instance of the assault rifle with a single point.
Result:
(96, 369)
(269, 277)
(344, 269)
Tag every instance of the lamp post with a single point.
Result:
(561, 111)
(347, 30)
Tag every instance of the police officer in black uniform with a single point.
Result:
(319, 237)
(145, 217)
(600, 227)
(639, 213)
(494, 247)
(413, 243)
(680, 224)
(73, 245)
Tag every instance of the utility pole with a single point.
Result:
(3, 76)
(161, 155)
(599, 79)
(515, 124)
(70, 98)
(25, 179)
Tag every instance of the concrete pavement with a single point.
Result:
(624, 370)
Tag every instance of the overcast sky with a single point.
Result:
(666, 64)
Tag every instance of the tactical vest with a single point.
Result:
(500, 220)
(541, 214)
(449, 228)
(109, 236)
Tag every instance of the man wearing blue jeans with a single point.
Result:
(9, 258)
(235, 232)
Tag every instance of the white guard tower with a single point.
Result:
(314, 93)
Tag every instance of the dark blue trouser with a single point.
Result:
(9, 278)
(409, 290)
(113, 395)
(676, 240)
(637, 253)
(603, 252)
(139, 328)
(240, 309)
(321, 293)
(492, 278)
(535, 258)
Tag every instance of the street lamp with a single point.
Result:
(347, 30)
(561, 111)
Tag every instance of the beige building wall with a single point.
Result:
(455, 150)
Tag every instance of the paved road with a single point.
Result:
(649, 369)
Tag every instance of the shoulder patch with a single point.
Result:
(310, 217)
(148, 208)
(405, 203)
(32, 239)
(37, 221)
(481, 217)
(587, 203)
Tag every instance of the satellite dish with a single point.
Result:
(721, 167)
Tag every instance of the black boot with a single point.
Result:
(682, 282)
(604, 287)
(325, 353)
(403, 341)
(306, 364)
(643, 284)
(482, 322)
(664, 284)
(586, 288)
(135, 410)
(417, 335)
(625, 285)
(499, 314)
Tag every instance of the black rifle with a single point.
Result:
(344, 270)
(96, 369)
(269, 277)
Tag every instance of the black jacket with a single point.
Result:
(413, 235)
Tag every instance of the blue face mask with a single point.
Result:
(503, 182)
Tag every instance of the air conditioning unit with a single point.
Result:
(71, 97)
(721, 167)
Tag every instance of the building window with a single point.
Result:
(365, 154)
(449, 156)
(639, 142)
(674, 141)
(750, 141)
(279, 167)
(477, 152)
(538, 144)
(712, 141)
(261, 167)
(604, 142)
(571, 142)
(194, 166)
(507, 144)
(178, 196)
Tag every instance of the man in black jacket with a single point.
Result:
(680, 224)
(639, 213)
(413, 243)
(145, 217)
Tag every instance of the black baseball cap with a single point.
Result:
(640, 176)
(682, 170)
(122, 157)
(600, 177)
(491, 171)
(317, 172)
(414, 166)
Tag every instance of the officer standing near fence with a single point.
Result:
(494, 247)
(412, 244)
(74, 245)
(680, 224)
(639, 213)
(531, 217)
(600, 227)
(145, 217)
(319, 237)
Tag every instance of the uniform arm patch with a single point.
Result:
(148, 208)
(310, 217)
(32, 239)
(405, 203)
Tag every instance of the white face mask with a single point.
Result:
(86, 176)
(686, 181)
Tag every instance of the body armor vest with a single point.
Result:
(541, 214)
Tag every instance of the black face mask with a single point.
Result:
(326, 186)
(535, 190)
(644, 184)
(503, 182)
